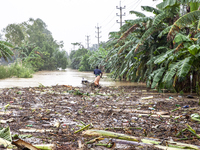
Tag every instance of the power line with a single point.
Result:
(120, 15)
(87, 40)
(98, 37)
(136, 3)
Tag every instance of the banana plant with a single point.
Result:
(177, 65)
(5, 50)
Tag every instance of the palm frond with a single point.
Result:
(151, 9)
(138, 14)
(183, 21)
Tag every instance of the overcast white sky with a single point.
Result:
(71, 21)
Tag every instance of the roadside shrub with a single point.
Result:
(16, 69)
(4, 72)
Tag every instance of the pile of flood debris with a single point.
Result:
(67, 118)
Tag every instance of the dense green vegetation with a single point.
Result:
(79, 59)
(33, 43)
(16, 69)
(162, 51)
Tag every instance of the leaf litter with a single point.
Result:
(61, 114)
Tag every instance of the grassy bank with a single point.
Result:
(16, 69)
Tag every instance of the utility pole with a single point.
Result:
(88, 39)
(120, 8)
(98, 34)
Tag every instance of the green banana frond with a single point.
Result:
(125, 69)
(130, 30)
(131, 53)
(194, 49)
(111, 43)
(198, 26)
(184, 67)
(163, 57)
(6, 44)
(139, 20)
(5, 51)
(171, 72)
(157, 76)
(159, 18)
(151, 9)
(179, 38)
(5, 134)
(165, 31)
(149, 32)
(194, 6)
(138, 14)
(183, 21)
(5, 55)
(127, 44)
(169, 3)
(114, 35)
(179, 46)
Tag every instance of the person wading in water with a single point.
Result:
(98, 75)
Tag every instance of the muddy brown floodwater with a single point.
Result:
(68, 77)
(53, 114)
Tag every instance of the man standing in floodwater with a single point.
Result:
(98, 75)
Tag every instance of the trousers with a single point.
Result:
(96, 81)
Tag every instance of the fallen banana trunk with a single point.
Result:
(35, 130)
(171, 144)
(21, 144)
(5, 112)
(6, 121)
(136, 111)
(110, 134)
(143, 144)
(46, 146)
(5, 143)
(130, 142)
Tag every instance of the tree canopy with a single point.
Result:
(35, 45)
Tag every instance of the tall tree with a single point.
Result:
(14, 34)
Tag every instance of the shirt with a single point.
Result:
(97, 71)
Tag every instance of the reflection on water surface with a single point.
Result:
(66, 77)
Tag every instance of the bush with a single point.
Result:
(4, 72)
(16, 69)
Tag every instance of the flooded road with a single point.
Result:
(65, 77)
